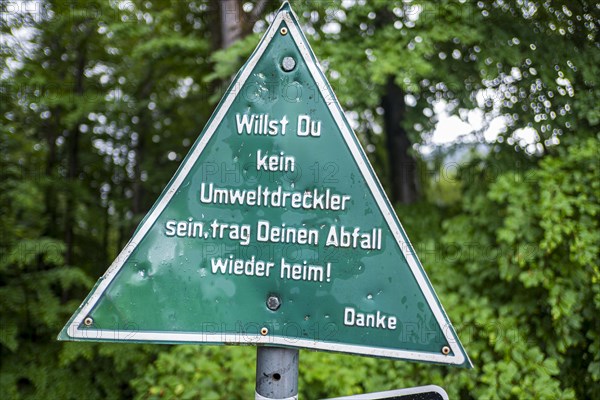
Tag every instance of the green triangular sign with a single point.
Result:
(275, 231)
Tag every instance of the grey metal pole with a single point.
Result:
(276, 373)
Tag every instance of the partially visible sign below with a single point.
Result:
(430, 392)
(274, 231)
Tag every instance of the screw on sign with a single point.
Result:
(294, 245)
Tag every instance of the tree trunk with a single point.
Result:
(50, 202)
(231, 21)
(105, 234)
(73, 160)
(403, 167)
(235, 23)
(138, 187)
(139, 206)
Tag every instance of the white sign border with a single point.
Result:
(283, 16)
(398, 392)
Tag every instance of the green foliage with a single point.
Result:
(81, 110)
(193, 372)
(519, 246)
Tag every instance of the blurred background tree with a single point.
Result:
(100, 101)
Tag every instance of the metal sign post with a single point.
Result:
(276, 373)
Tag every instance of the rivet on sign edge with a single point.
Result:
(283, 31)
(264, 331)
(445, 350)
(88, 321)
